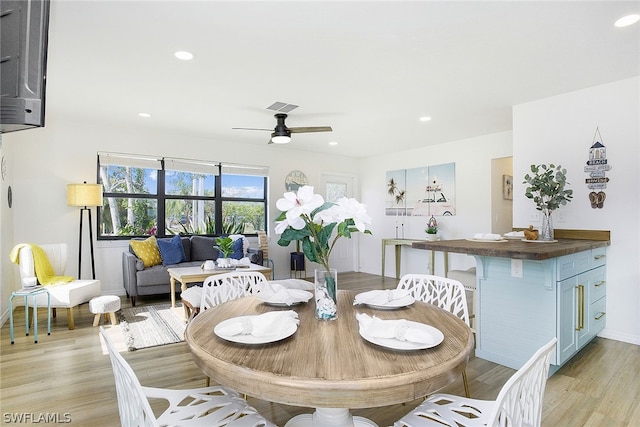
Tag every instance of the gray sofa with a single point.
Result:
(139, 280)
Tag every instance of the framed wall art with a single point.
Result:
(507, 187)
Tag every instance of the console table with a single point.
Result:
(398, 243)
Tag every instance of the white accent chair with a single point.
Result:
(208, 406)
(519, 403)
(448, 294)
(68, 295)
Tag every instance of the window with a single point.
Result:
(187, 196)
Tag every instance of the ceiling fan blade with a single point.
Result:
(270, 130)
(306, 129)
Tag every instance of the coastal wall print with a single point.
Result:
(597, 167)
(424, 191)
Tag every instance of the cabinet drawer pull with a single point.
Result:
(580, 302)
(600, 283)
(599, 257)
(600, 316)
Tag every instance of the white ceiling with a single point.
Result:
(368, 69)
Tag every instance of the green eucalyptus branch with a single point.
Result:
(547, 187)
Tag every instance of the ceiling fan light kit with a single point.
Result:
(281, 133)
(281, 137)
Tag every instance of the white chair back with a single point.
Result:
(447, 294)
(519, 403)
(133, 405)
(224, 287)
(56, 252)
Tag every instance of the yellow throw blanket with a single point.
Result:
(44, 270)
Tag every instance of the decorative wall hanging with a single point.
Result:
(395, 203)
(507, 187)
(597, 167)
(294, 180)
(426, 191)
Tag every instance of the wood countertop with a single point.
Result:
(515, 249)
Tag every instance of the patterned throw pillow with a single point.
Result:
(147, 251)
(171, 250)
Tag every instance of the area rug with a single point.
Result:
(151, 325)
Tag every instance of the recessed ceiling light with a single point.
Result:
(144, 115)
(333, 143)
(625, 21)
(184, 55)
(425, 118)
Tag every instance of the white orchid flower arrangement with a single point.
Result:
(305, 216)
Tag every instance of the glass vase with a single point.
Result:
(326, 289)
(546, 231)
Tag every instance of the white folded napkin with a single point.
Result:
(396, 297)
(270, 323)
(399, 329)
(514, 234)
(487, 236)
(276, 293)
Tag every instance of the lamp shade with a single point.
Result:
(84, 194)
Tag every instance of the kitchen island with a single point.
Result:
(529, 292)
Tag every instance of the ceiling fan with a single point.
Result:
(281, 134)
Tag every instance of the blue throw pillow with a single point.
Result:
(171, 250)
(238, 250)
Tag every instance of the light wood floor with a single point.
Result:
(68, 373)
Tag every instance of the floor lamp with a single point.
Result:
(85, 196)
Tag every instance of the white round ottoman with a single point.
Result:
(103, 305)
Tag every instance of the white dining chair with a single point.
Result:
(448, 294)
(519, 403)
(207, 406)
(224, 287)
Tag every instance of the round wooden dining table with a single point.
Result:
(327, 365)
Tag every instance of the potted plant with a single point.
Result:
(432, 229)
(225, 246)
(547, 190)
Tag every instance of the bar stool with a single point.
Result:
(26, 293)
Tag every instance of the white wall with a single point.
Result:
(501, 208)
(6, 224)
(46, 160)
(472, 158)
(560, 130)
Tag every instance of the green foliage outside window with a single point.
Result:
(132, 197)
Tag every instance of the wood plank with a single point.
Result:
(514, 249)
(560, 233)
(69, 372)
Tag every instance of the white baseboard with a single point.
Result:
(620, 336)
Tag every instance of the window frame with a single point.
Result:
(161, 195)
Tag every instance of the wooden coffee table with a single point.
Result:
(186, 275)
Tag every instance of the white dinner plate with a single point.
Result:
(486, 240)
(303, 298)
(395, 344)
(539, 241)
(250, 339)
(393, 304)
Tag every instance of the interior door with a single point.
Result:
(343, 257)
